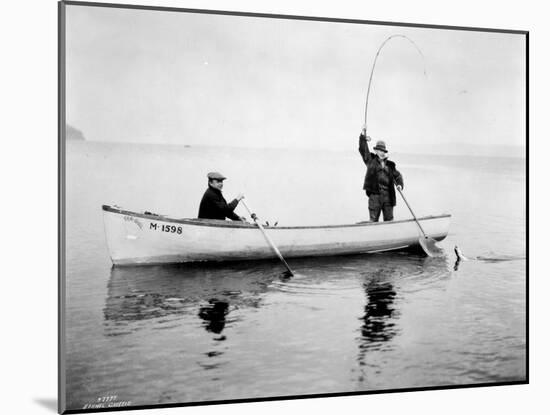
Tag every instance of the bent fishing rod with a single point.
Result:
(374, 65)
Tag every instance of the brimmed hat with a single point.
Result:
(381, 145)
(214, 175)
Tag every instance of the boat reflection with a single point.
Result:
(168, 292)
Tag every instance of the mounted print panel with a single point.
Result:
(261, 207)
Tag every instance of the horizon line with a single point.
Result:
(322, 149)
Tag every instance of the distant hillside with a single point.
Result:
(72, 133)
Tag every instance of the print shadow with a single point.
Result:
(48, 403)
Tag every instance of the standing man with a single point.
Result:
(213, 204)
(380, 180)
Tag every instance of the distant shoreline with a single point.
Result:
(73, 134)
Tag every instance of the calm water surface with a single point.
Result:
(187, 333)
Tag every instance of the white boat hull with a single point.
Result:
(136, 238)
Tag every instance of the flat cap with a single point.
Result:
(215, 175)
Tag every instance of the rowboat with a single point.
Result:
(135, 238)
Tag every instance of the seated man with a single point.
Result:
(213, 204)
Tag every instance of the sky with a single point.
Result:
(202, 79)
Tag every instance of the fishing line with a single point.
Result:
(374, 65)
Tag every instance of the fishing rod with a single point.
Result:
(374, 65)
(428, 244)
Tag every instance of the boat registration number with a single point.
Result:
(165, 228)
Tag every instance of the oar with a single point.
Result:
(427, 243)
(267, 238)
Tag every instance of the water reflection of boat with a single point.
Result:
(210, 292)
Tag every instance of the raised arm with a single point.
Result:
(364, 147)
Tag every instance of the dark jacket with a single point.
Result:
(214, 206)
(372, 162)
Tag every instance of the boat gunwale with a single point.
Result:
(226, 224)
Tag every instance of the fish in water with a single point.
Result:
(491, 259)
(459, 255)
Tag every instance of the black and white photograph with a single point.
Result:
(269, 206)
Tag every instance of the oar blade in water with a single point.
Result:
(429, 246)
